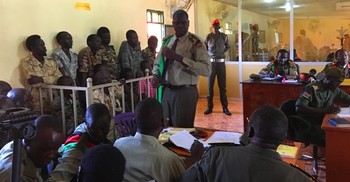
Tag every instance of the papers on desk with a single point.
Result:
(291, 81)
(344, 112)
(224, 137)
(184, 139)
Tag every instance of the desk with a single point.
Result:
(187, 155)
(257, 93)
(337, 151)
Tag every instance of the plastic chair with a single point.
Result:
(125, 124)
(297, 129)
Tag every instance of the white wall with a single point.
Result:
(21, 18)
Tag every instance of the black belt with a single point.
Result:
(178, 86)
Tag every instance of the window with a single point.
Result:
(155, 25)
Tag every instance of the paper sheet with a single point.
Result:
(224, 137)
(184, 139)
(344, 112)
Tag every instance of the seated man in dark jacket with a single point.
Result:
(316, 100)
(258, 161)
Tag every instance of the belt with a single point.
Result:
(217, 60)
(178, 86)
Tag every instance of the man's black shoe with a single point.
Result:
(226, 111)
(208, 111)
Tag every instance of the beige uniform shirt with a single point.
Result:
(48, 71)
(195, 57)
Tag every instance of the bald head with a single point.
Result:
(148, 115)
(49, 137)
(97, 119)
(269, 125)
(21, 97)
(4, 87)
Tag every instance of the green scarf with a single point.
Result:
(161, 68)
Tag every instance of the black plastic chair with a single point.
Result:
(125, 124)
(298, 129)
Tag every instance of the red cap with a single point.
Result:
(216, 21)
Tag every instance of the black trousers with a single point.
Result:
(219, 70)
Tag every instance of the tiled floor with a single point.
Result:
(218, 120)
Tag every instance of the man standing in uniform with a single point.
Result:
(185, 59)
(217, 45)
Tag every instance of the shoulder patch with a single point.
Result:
(195, 40)
(167, 37)
(306, 94)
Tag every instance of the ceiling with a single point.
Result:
(307, 9)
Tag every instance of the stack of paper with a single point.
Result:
(224, 137)
(287, 151)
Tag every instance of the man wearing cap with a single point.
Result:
(217, 44)
(258, 161)
(317, 99)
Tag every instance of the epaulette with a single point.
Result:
(167, 37)
(195, 40)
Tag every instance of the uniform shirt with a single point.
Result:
(243, 163)
(217, 45)
(68, 65)
(148, 55)
(195, 56)
(99, 97)
(48, 71)
(109, 58)
(321, 75)
(29, 173)
(69, 112)
(316, 96)
(87, 60)
(291, 69)
(130, 57)
(147, 159)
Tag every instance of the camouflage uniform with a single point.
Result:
(107, 100)
(130, 58)
(148, 55)
(109, 57)
(290, 69)
(87, 60)
(69, 112)
(48, 71)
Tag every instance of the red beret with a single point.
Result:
(216, 21)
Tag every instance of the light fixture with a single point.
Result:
(287, 6)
